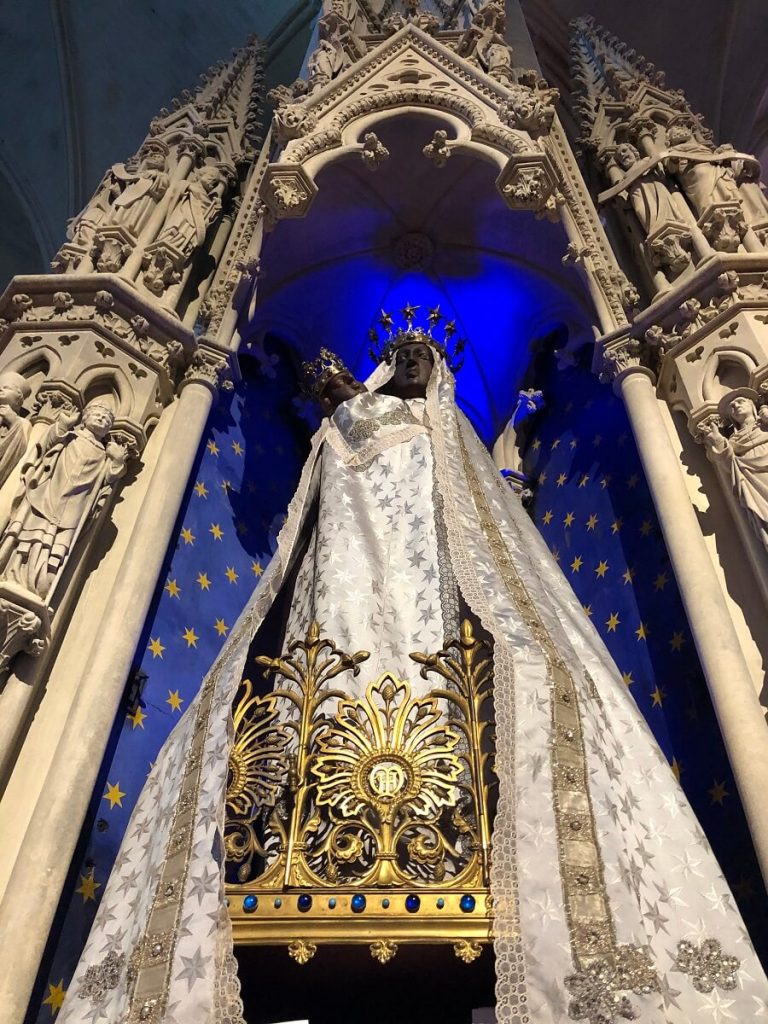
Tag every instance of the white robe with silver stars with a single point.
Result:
(376, 575)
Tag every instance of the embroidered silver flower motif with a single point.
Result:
(599, 990)
(101, 977)
(707, 965)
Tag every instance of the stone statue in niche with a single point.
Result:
(14, 427)
(704, 181)
(196, 209)
(650, 198)
(708, 179)
(498, 60)
(63, 489)
(144, 183)
(331, 55)
(655, 208)
(127, 194)
(485, 44)
(743, 455)
(197, 206)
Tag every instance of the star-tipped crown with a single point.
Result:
(317, 373)
(382, 350)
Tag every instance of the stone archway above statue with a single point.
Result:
(409, 71)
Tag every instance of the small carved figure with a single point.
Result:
(529, 110)
(498, 61)
(438, 150)
(194, 212)
(744, 454)
(656, 210)
(485, 44)
(324, 63)
(650, 198)
(126, 195)
(197, 205)
(704, 181)
(62, 491)
(142, 187)
(14, 428)
(374, 152)
(332, 54)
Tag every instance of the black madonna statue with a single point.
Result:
(607, 902)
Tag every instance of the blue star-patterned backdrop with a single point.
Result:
(592, 506)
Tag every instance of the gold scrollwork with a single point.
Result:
(391, 789)
(467, 951)
(301, 951)
(383, 951)
(258, 769)
(386, 762)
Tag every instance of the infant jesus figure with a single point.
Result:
(337, 388)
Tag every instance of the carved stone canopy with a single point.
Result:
(460, 200)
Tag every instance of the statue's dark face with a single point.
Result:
(413, 368)
(338, 389)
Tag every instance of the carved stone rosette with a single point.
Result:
(530, 182)
(287, 192)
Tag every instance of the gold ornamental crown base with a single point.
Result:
(262, 918)
(363, 820)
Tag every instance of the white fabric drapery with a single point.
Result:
(600, 870)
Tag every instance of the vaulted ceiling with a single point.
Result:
(81, 82)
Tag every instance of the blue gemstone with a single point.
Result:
(357, 903)
(385, 904)
(412, 903)
(332, 902)
(250, 903)
(278, 902)
(440, 903)
(467, 903)
(304, 902)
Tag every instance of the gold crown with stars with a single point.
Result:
(381, 351)
(319, 371)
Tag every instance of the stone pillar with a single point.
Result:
(44, 858)
(722, 659)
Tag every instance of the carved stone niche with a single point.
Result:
(529, 182)
(287, 191)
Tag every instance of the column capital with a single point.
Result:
(620, 358)
(211, 367)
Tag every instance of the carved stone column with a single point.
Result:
(722, 659)
(43, 860)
